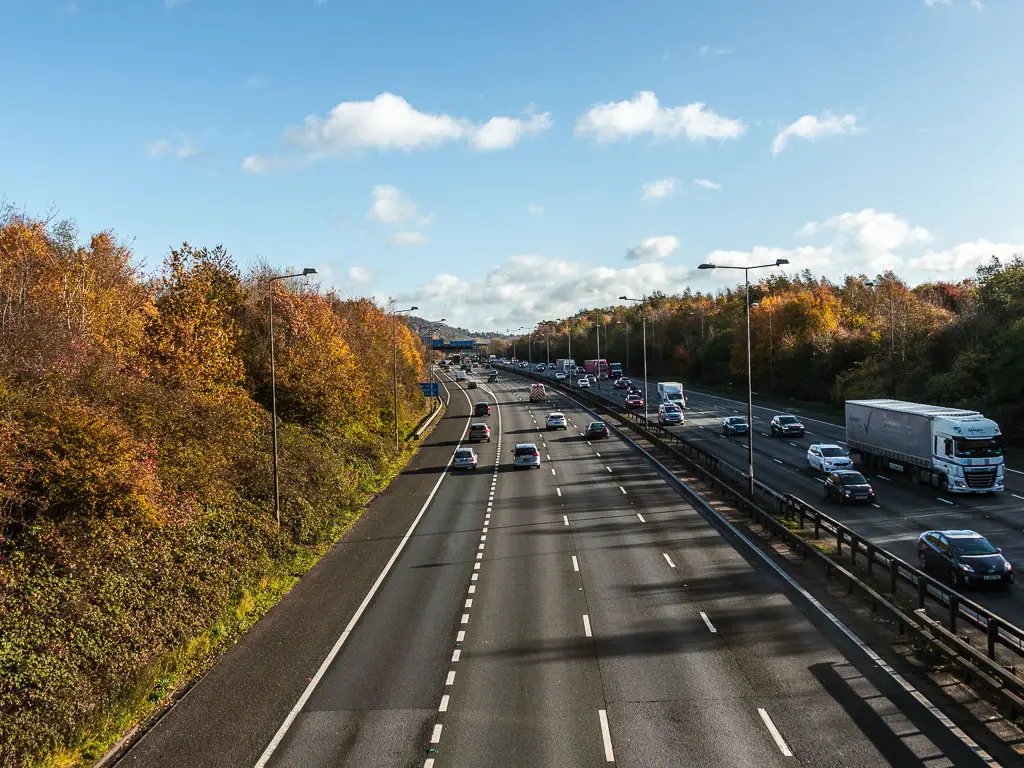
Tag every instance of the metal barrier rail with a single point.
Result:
(998, 631)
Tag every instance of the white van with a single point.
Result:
(460, 375)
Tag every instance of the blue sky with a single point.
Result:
(359, 138)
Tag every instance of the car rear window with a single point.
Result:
(526, 450)
(853, 478)
(463, 453)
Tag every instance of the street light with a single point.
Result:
(394, 342)
(626, 326)
(750, 384)
(273, 385)
(643, 321)
(430, 356)
(892, 334)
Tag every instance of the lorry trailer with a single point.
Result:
(948, 448)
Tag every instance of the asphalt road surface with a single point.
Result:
(579, 614)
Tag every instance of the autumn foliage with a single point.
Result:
(136, 525)
(956, 344)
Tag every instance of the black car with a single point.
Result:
(482, 409)
(849, 487)
(734, 425)
(597, 430)
(963, 557)
(785, 425)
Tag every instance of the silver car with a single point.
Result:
(465, 458)
(526, 455)
(828, 458)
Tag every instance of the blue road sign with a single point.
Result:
(430, 388)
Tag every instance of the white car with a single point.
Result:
(560, 376)
(583, 383)
(825, 457)
(669, 414)
(556, 421)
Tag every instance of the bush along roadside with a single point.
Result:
(137, 536)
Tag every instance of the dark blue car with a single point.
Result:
(734, 425)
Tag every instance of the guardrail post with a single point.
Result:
(802, 512)
(817, 527)
(870, 556)
(839, 541)
(894, 574)
(922, 591)
(854, 546)
(992, 632)
(954, 609)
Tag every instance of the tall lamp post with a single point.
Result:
(750, 383)
(430, 356)
(273, 386)
(625, 325)
(892, 335)
(643, 322)
(394, 342)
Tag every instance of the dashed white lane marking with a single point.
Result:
(777, 461)
(456, 654)
(472, 589)
(609, 469)
(586, 626)
(482, 546)
(450, 680)
(575, 564)
(945, 501)
(435, 737)
(641, 517)
(475, 576)
(548, 455)
(476, 566)
(461, 636)
(469, 602)
(622, 489)
(794, 445)
(606, 736)
(552, 470)
(668, 560)
(565, 519)
(883, 477)
(597, 453)
(559, 491)
(877, 506)
(779, 741)
(465, 618)
(707, 621)
(479, 555)
(444, 703)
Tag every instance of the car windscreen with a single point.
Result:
(463, 454)
(972, 546)
(788, 420)
(853, 478)
(832, 452)
(979, 449)
(737, 421)
(525, 450)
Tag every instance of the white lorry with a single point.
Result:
(948, 448)
(460, 375)
(671, 392)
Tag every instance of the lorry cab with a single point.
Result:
(971, 448)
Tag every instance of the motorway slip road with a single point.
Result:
(581, 614)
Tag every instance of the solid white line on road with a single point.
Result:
(1017, 497)
(461, 636)
(707, 621)
(883, 477)
(456, 654)
(451, 678)
(444, 704)
(606, 737)
(565, 519)
(777, 461)
(668, 560)
(559, 490)
(465, 618)
(1015, 471)
(469, 602)
(622, 489)
(575, 564)
(435, 737)
(779, 741)
(641, 517)
(586, 626)
(944, 501)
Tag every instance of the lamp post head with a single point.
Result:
(780, 262)
(707, 266)
(413, 309)
(623, 298)
(309, 271)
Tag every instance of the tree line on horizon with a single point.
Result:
(137, 534)
(958, 344)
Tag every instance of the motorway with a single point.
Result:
(581, 614)
(903, 510)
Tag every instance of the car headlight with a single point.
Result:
(967, 568)
(1007, 566)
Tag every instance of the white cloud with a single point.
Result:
(505, 132)
(390, 122)
(359, 275)
(659, 189)
(261, 164)
(407, 238)
(808, 229)
(965, 257)
(393, 207)
(183, 149)
(529, 288)
(653, 248)
(534, 208)
(977, 5)
(812, 128)
(644, 115)
(707, 184)
(707, 50)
